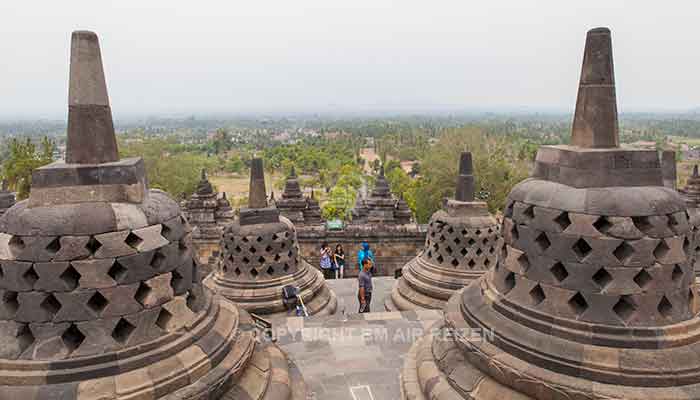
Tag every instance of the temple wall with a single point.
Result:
(392, 247)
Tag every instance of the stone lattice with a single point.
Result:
(260, 255)
(463, 242)
(594, 295)
(691, 194)
(100, 297)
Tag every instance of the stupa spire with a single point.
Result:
(465, 179)
(91, 137)
(595, 119)
(257, 197)
(293, 173)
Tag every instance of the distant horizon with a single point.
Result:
(178, 57)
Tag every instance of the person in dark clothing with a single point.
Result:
(364, 283)
(339, 260)
(326, 264)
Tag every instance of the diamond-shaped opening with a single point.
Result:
(442, 238)
(270, 270)
(9, 298)
(478, 232)
(492, 249)
(142, 292)
(677, 273)
(245, 260)
(581, 248)
(252, 249)
(623, 252)
(93, 245)
(259, 239)
(686, 245)
(665, 307)
(642, 223)
(559, 271)
(524, 262)
(487, 263)
(642, 279)
(602, 224)
(72, 338)
(464, 232)
(25, 338)
(71, 277)
(16, 243)
(529, 212)
(164, 317)
(508, 282)
(661, 250)
(133, 240)
(165, 232)
(117, 272)
(471, 263)
(563, 220)
(55, 245)
(542, 241)
(448, 249)
(602, 278)
(430, 254)
(244, 239)
(286, 267)
(122, 331)
(450, 230)
(30, 276)
(2, 272)
(578, 303)
(624, 308)
(261, 260)
(455, 262)
(238, 249)
(537, 295)
(237, 271)
(277, 257)
(268, 248)
(176, 281)
(290, 254)
(471, 241)
(283, 245)
(479, 252)
(254, 272)
(286, 235)
(672, 221)
(440, 259)
(691, 301)
(457, 241)
(463, 251)
(158, 260)
(97, 303)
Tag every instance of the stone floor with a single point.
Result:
(353, 356)
(346, 290)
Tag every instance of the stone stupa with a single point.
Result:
(594, 297)
(691, 194)
(261, 255)
(208, 212)
(295, 207)
(101, 298)
(7, 198)
(463, 242)
(380, 207)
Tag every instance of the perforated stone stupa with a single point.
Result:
(295, 207)
(463, 242)
(100, 296)
(261, 255)
(593, 297)
(381, 207)
(208, 211)
(691, 194)
(7, 198)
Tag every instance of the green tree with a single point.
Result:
(23, 159)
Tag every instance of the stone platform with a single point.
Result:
(356, 356)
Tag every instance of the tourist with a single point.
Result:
(364, 285)
(326, 265)
(339, 260)
(365, 252)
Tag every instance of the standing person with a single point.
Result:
(339, 259)
(365, 252)
(364, 286)
(326, 265)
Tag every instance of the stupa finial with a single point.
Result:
(257, 197)
(595, 120)
(293, 173)
(465, 179)
(91, 138)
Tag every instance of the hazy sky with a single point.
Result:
(347, 55)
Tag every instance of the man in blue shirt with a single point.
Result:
(365, 252)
